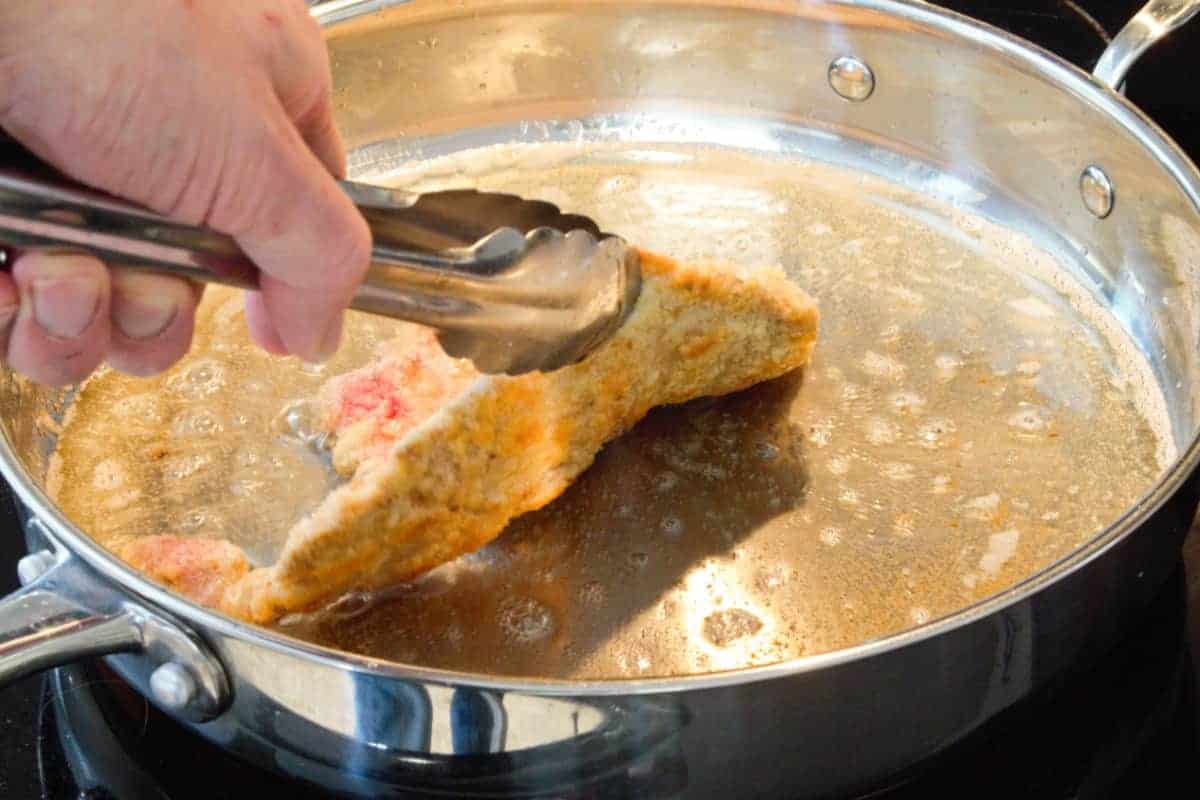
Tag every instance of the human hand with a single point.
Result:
(210, 113)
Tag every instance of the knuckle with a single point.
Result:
(78, 120)
(197, 170)
(48, 264)
(276, 24)
(189, 197)
(308, 94)
(306, 23)
(91, 137)
(246, 191)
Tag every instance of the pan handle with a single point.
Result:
(1157, 19)
(65, 613)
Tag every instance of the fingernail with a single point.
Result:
(65, 307)
(146, 316)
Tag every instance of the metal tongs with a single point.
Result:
(514, 285)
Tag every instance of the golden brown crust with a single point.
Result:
(202, 569)
(509, 445)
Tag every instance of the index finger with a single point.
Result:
(306, 236)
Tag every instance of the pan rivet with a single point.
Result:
(1097, 191)
(34, 566)
(851, 78)
(173, 686)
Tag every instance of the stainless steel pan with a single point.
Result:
(875, 78)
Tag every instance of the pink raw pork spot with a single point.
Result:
(369, 409)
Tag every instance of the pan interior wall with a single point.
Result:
(971, 416)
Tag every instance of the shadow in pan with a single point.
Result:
(582, 586)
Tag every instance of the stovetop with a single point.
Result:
(1127, 725)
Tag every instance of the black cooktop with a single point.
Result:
(1123, 726)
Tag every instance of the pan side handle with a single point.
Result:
(65, 612)
(1156, 19)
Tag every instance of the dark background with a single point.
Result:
(19, 702)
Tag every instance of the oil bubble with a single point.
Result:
(593, 593)
(108, 475)
(200, 379)
(665, 482)
(526, 620)
(933, 433)
(1029, 419)
(196, 422)
(880, 431)
(906, 402)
